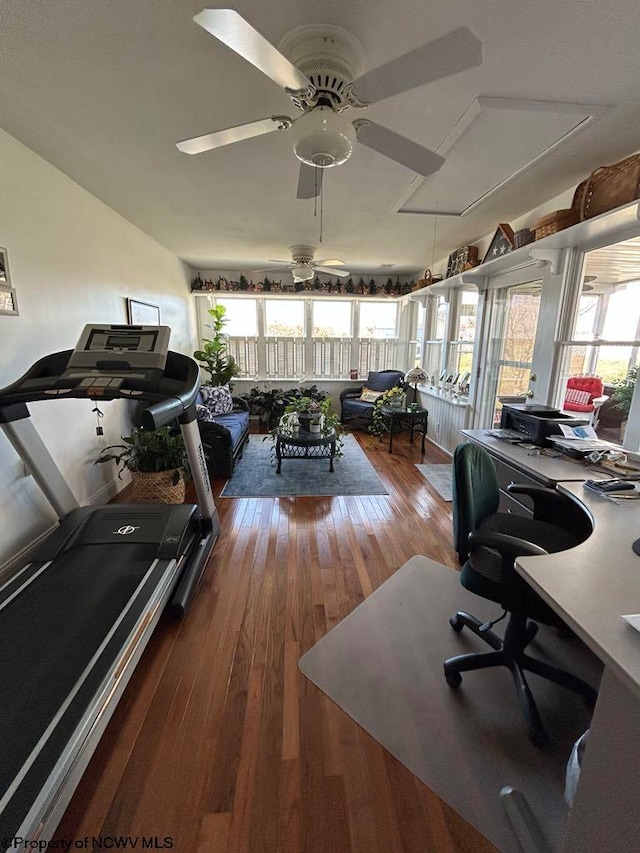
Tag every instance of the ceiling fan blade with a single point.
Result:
(231, 134)
(399, 148)
(447, 55)
(330, 262)
(275, 269)
(309, 181)
(331, 271)
(231, 29)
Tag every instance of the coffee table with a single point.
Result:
(303, 444)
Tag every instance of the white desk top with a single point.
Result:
(592, 585)
(549, 470)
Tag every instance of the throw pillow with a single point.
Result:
(578, 398)
(203, 414)
(369, 396)
(217, 398)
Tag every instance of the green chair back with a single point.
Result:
(475, 493)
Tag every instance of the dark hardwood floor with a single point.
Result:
(219, 742)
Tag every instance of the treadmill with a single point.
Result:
(76, 619)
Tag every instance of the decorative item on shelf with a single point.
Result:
(413, 377)
(464, 258)
(608, 187)
(523, 237)
(501, 244)
(197, 283)
(554, 222)
(353, 373)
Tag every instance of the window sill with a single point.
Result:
(445, 396)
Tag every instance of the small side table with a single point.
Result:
(400, 419)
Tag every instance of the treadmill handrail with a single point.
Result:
(174, 394)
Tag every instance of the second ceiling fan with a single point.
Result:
(303, 267)
(323, 135)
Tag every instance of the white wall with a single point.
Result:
(72, 261)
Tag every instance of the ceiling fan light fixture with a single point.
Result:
(302, 272)
(323, 138)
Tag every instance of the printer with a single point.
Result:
(537, 422)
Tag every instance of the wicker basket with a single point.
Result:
(157, 487)
(523, 237)
(556, 221)
(608, 187)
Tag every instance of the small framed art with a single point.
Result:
(142, 313)
(8, 298)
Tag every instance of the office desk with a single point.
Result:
(591, 586)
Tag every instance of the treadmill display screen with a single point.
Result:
(126, 342)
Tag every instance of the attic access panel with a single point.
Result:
(493, 141)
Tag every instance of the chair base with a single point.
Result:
(510, 652)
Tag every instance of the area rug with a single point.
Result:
(440, 478)
(383, 665)
(255, 475)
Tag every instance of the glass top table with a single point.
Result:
(300, 443)
(397, 419)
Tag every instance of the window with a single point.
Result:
(242, 317)
(378, 320)
(461, 347)
(331, 319)
(304, 339)
(514, 325)
(435, 327)
(284, 318)
(605, 340)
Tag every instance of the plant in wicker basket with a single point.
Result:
(157, 461)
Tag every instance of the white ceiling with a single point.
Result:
(103, 89)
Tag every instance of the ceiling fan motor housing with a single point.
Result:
(303, 259)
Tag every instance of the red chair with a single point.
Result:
(585, 394)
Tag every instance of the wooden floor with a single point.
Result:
(220, 743)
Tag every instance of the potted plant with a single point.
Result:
(267, 403)
(214, 357)
(156, 460)
(394, 398)
(313, 416)
(623, 394)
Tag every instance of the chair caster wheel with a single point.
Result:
(453, 679)
(456, 623)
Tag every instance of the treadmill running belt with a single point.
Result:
(56, 626)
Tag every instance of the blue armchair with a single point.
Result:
(358, 412)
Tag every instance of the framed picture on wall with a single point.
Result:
(142, 313)
(8, 299)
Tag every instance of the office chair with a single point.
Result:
(487, 543)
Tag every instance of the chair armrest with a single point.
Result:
(550, 506)
(509, 547)
(351, 392)
(598, 401)
(240, 405)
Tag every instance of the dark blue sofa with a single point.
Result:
(356, 412)
(224, 438)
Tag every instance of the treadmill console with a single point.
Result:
(124, 347)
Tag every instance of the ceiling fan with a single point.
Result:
(323, 85)
(303, 267)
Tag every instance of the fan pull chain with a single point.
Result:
(321, 204)
(315, 191)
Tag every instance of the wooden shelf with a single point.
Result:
(610, 227)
